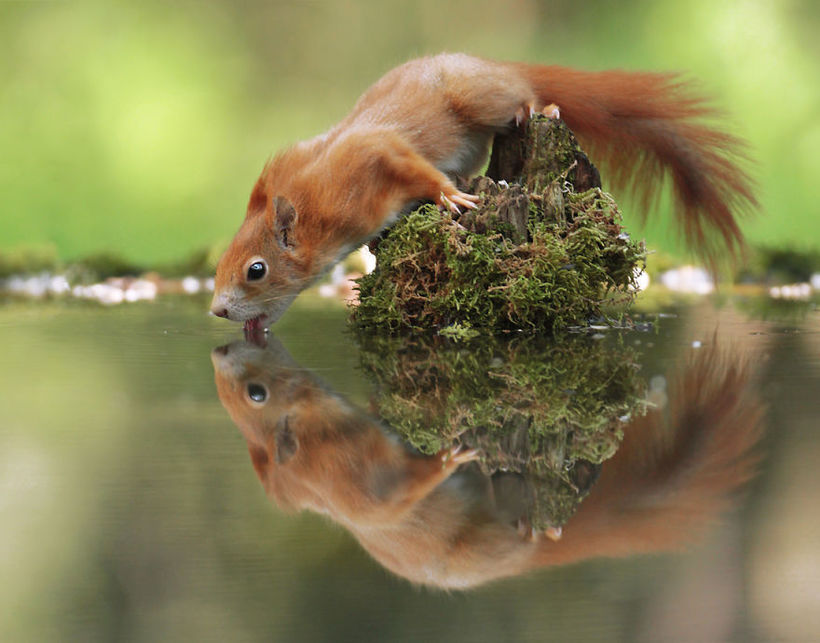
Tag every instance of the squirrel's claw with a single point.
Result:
(457, 198)
(458, 455)
(524, 113)
(553, 533)
(527, 111)
(551, 111)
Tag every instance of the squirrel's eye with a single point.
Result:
(257, 270)
(257, 393)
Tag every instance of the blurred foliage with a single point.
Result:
(781, 265)
(138, 128)
(29, 259)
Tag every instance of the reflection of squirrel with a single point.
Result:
(431, 120)
(433, 524)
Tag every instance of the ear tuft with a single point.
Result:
(285, 220)
(259, 199)
(286, 443)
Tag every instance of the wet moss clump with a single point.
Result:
(544, 250)
(549, 412)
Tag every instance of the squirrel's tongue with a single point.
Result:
(255, 331)
(254, 325)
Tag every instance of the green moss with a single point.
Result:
(539, 258)
(550, 412)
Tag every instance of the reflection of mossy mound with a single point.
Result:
(543, 253)
(549, 412)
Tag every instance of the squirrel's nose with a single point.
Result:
(220, 312)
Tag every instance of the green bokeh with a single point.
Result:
(140, 127)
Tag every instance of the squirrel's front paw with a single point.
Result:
(457, 455)
(551, 111)
(451, 200)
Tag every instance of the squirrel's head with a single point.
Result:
(262, 270)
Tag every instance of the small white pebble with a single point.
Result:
(337, 275)
(107, 295)
(191, 285)
(657, 383)
(641, 280)
(689, 279)
(141, 289)
(791, 291)
(58, 285)
(35, 286)
(327, 290)
(368, 258)
(14, 284)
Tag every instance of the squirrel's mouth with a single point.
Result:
(256, 324)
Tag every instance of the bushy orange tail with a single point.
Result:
(646, 126)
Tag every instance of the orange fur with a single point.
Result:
(433, 119)
(429, 521)
(645, 126)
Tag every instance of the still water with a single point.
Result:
(162, 479)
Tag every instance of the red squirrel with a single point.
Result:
(438, 521)
(433, 119)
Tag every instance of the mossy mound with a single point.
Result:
(541, 253)
(550, 412)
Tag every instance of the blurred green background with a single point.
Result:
(139, 127)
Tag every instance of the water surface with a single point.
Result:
(133, 507)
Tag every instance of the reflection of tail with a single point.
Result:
(675, 471)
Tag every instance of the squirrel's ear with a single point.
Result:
(285, 218)
(286, 442)
(258, 200)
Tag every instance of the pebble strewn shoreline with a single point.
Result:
(114, 290)
(118, 290)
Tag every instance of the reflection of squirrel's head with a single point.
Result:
(310, 448)
(281, 409)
